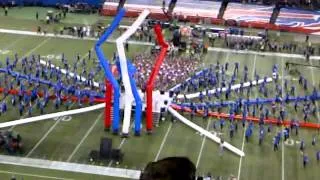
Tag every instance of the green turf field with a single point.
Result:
(71, 141)
(59, 140)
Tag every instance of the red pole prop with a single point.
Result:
(63, 98)
(107, 111)
(154, 73)
(251, 118)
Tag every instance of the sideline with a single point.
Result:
(33, 175)
(30, 33)
(70, 167)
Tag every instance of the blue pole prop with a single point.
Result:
(138, 111)
(138, 108)
(108, 74)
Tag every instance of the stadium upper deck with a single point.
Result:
(257, 16)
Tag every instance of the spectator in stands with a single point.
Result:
(305, 160)
(48, 19)
(39, 30)
(126, 46)
(172, 71)
(45, 31)
(65, 13)
(221, 147)
(6, 9)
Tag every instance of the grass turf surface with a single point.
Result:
(57, 140)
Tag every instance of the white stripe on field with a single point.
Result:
(43, 138)
(84, 137)
(163, 142)
(203, 131)
(52, 115)
(30, 33)
(314, 84)
(245, 127)
(202, 145)
(208, 125)
(27, 54)
(282, 144)
(120, 145)
(262, 53)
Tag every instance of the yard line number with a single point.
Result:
(52, 56)
(4, 52)
(63, 118)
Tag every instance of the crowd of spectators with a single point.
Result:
(271, 45)
(304, 4)
(173, 70)
(241, 43)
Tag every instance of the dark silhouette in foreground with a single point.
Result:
(171, 168)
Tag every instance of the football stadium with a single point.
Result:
(160, 89)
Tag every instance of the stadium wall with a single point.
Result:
(95, 3)
(110, 9)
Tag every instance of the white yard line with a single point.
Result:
(120, 145)
(208, 125)
(245, 127)
(26, 114)
(122, 142)
(242, 148)
(57, 122)
(314, 84)
(282, 144)
(33, 175)
(202, 146)
(43, 138)
(163, 142)
(27, 54)
(84, 137)
(13, 43)
(278, 54)
(30, 33)
(6, 48)
(37, 47)
(254, 66)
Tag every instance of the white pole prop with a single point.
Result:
(205, 132)
(71, 74)
(128, 96)
(52, 115)
(236, 86)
